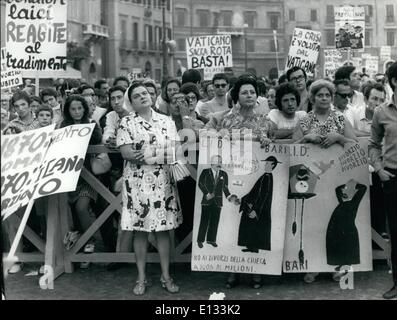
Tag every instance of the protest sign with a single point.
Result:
(385, 53)
(36, 35)
(303, 51)
(9, 78)
(135, 74)
(41, 162)
(328, 219)
(349, 27)
(210, 72)
(22, 156)
(372, 65)
(239, 217)
(332, 61)
(209, 51)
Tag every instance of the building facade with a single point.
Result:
(250, 23)
(87, 35)
(380, 24)
(135, 36)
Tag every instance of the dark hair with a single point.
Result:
(190, 87)
(164, 94)
(294, 69)
(191, 75)
(134, 85)
(368, 88)
(85, 87)
(44, 108)
(261, 88)
(121, 78)
(283, 78)
(220, 76)
(68, 120)
(242, 80)
(116, 88)
(48, 92)
(150, 84)
(344, 82)
(21, 95)
(36, 98)
(391, 73)
(284, 89)
(99, 83)
(344, 72)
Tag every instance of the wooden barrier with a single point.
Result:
(59, 260)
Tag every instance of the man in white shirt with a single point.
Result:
(297, 77)
(343, 92)
(353, 75)
(219, 102)
(374, 95)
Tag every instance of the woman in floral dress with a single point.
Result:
(149, 197)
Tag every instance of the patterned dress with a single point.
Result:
(149, 194)
(335, 123)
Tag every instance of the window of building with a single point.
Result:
(250, 18)
(135, 34)
(180, 17)
(367, 38)
(181, 44)
(168, 5)
(313, 15)
(330, 14)
(250, 45)
(273, 46)
(330, 37)
(203, 16)
(227, 18)
(390, 38)
(368, 13)
(274, 21)
(123, 32)
(389, 13)
(291, 14)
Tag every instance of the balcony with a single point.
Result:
(96, 30)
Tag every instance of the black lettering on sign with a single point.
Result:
(49, 187)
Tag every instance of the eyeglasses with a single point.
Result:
(345, 95)
(299, 78)
(223, 85)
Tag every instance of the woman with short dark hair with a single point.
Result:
(286, 117)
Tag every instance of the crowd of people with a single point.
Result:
(141, 117)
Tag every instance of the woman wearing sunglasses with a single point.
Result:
(323, 125)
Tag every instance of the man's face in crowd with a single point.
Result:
(117, 100)
(51, 101)
(44, 118)
(342, 95)
(298, 80)
(22, 108)
(355, 79)
(89, 93)
(104, 88)
(221, 87)
(375, 98)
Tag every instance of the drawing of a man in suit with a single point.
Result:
(213, 182)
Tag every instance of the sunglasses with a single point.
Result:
(345, 95)
(223, 85)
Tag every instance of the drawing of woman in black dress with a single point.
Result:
(342, 241)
